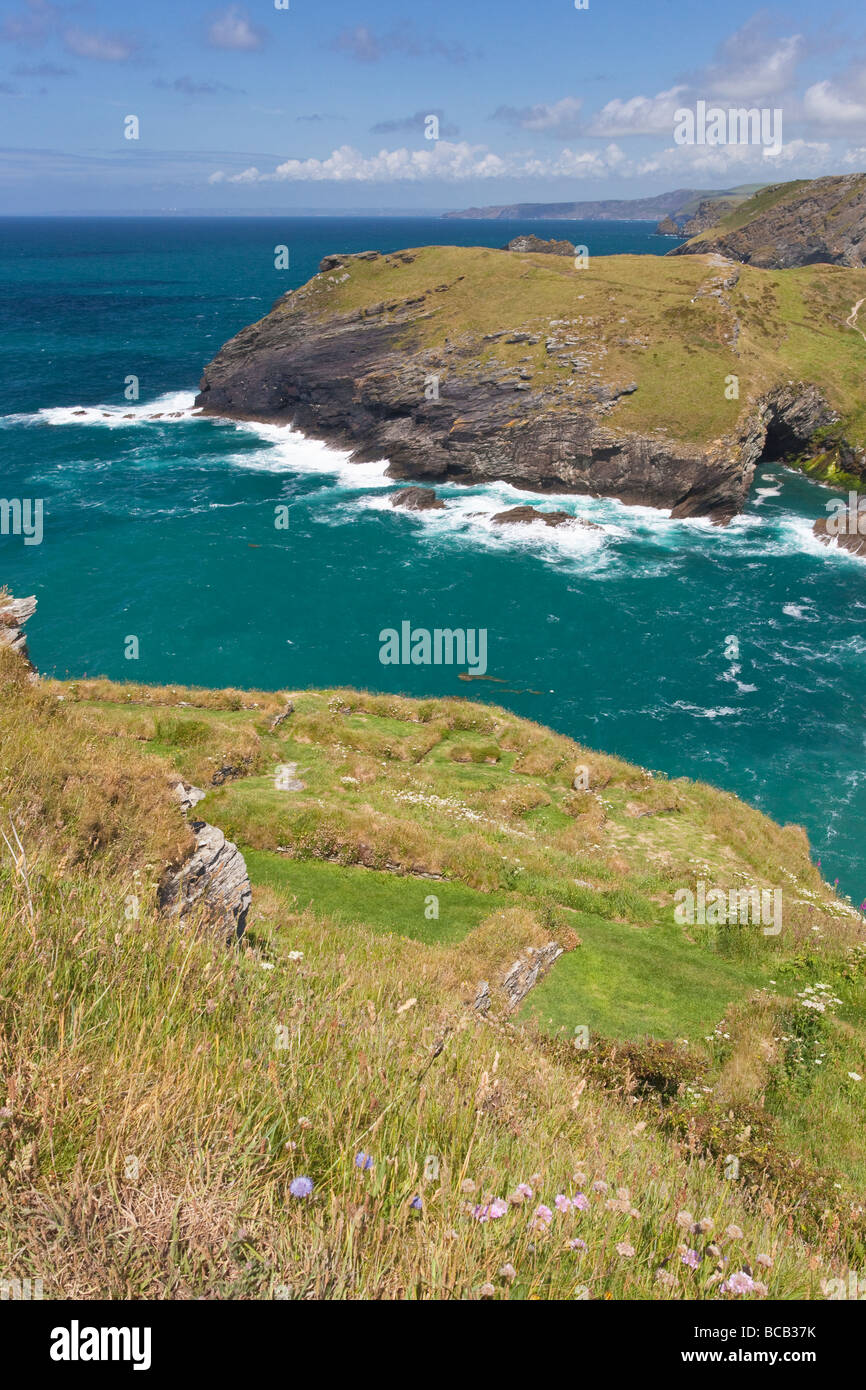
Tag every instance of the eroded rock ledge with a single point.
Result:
(365, 380)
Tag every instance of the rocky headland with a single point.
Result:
(656, 381)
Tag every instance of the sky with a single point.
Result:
(306, 105)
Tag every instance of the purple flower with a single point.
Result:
(577, 1244)
(740, 1282)
(691, 1258)
(301, 1187)
(416, 1204)
(581, 1202)
(363, 1160)
(561, 1202)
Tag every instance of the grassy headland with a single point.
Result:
(160, 1093)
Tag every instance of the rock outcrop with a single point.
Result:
(847, 531)
(14, 613)
(522, 516)
(471, 406)
(527, 971)
(801, 223)
(417, 499)
(211, 887)
(539, 246)
(668, 227)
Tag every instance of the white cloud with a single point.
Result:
(685, 161)
(638, 115)
(753, 65)
(232, 28)
(829, 106)
(446, 162)
(555, 118)
(105, 48)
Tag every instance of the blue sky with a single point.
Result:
(245, 107)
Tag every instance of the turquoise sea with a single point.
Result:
(162, 526)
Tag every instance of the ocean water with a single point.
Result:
(161, 525)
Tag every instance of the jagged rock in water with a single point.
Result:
(14, 613)
(526, 971)
(212, 885)
(522, 516)
(417, 499)
(540, 247)
(847, 531)
(668, 227)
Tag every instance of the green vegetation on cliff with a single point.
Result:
(676, 328)
(160, 1091)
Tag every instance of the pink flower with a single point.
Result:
(523, 1189)
(624, 1249)
(577, 1244)
(543, 1216)
(599, 1186)
(561, 1202)
(581, 1202)
(739, 1282)
(691, 1258)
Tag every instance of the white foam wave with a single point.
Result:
(174, 405)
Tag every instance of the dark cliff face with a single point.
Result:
(357, 380)
(823, 221)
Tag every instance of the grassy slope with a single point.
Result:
(638, 318)
(159, 1092)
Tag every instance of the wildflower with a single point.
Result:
(705, 1225)
(733, 1233)
(691, 1258)
(634, 1214)
(363, 1160)
(580, 1202)
(561, 1202)
(685, 1219)
(416, 1204)
(625, 1249)
(715, 1251)
(490, 1211)
(664, 1276)
(599, 1186)
(508, 1272)
(739, 1282)
(543, 1217)
(521, 1192)
(577, 1244)
(487, 1291)
(295, 955)
(622, 1193)
(301, 1187)
(578, 1179)
(855, 1076)
(467, 1186)
(765, 1260)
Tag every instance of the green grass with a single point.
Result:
(630, 982)
(371, 898)
(343, 1022)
